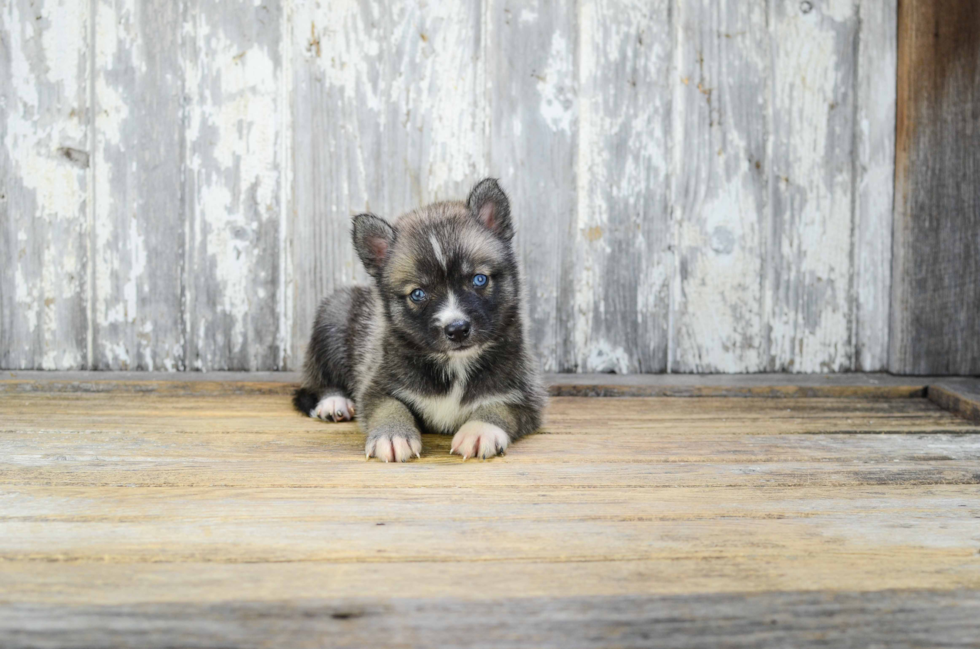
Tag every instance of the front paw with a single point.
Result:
(479, 439)
(393, 447)
(334, 408)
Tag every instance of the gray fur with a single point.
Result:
(374, 345)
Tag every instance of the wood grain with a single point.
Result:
(962, 398)
(896, 618)
(532, 84)
(936, 267)
(721, 191)
(233, 184)
(699, 185)
(809, 277)
(622, 231)
(137, 166)
(188, 512)
(869, 386)
(874, 169)
(45, 173)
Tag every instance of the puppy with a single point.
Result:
(436, 343)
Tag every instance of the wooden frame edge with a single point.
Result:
(960, 400)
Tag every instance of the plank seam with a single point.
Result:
(185, 241)
(284, 303)
(853, 314)
(90, 194)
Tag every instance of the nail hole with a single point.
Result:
(806, 6)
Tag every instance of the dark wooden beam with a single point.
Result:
(935, 310)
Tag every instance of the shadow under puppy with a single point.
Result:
(436, 344)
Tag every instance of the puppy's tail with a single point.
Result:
(305, 400)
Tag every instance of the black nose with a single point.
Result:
(458, 330)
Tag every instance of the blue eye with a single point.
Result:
(480, 280)
(417, 295)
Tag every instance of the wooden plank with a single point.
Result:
(390, 114)
(593, 385)
(44, 184)
(339, 108)
(200, 511)
(532, 82)
(721, 185)
(233, 192)
(874, 156)
(128, 525)
(330, 474)
(891, 618)
(810, 266)
(203, 583)
(771, 386)
(961, 398)
(44, 504)
(272, 413)
(936, 265)
(631, 444)
(649, 435)
(302, 539)
(621, 242)
(137, 167)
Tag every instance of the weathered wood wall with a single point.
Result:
(701, 185)
(936, 292)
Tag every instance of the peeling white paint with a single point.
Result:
(528, 16)
(46, 192)
(557, 99)
(401, 117)
(875, 191)
(721, 330)
(119, 250)
(58, 37)
(603, 357)
(622, 164)
(810, 332)
(234, 159)
(719, 173)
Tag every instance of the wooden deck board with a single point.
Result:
(626, 522)
(894, 619)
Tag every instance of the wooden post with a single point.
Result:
(935, 313)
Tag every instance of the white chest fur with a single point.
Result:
(444, 412)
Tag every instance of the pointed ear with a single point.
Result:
(373, 238)
(489, 205)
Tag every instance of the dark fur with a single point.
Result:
(413, 360)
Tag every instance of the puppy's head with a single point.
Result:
(446, 272)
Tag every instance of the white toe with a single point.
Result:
(393, 449)
(401, 448)
(334, 408)
(479, 439)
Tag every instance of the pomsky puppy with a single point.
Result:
(436, 343)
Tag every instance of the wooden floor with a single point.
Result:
(208, 514)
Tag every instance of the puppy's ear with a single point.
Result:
(373, 238)
(489, 205)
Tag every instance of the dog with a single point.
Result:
(436, 343)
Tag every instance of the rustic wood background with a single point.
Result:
(936, 293)
(700, 185)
